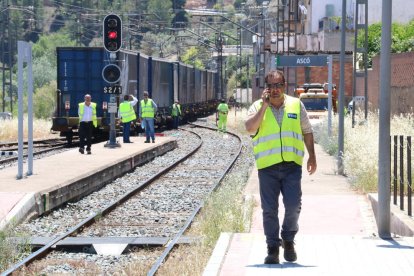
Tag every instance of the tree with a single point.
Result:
(44, 101)
(46, 46)
(155, 44)
(236, 76)
(191, 57)
(44, 71)
(402, 36)
(161, 9)
(180, 15)
(44, 57)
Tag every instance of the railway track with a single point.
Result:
(39, 143)
(39, 147)
(146, 222)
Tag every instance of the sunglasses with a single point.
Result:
(275, 85)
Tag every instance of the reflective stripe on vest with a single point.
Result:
(127, 113)
(147, 110)
(272, 144)
(82, 110)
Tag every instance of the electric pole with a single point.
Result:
(6, 57)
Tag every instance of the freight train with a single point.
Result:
(79, 72)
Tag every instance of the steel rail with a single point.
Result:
(14, 158)
(75, 143)
(42, 145)
(190, 219)
(95, 216)
(39, 141)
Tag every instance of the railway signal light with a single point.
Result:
(112, 33)
(111, 73)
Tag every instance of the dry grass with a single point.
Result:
(361, 145)
(235, 120)
(85, 267)
(186, 260)
(9, 129)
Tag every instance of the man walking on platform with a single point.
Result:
(87, 121)
(147, 111)
(281, 129)
(222, 110)
(176, 113)
(127, 114)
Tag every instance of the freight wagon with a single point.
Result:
(79, 72)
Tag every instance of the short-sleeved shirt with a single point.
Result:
(305, 124)
(87, 113)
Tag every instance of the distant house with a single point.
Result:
(318, 10)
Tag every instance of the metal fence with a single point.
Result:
(401, 170)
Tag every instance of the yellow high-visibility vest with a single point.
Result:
(274, 144)
(81, 111)
(127, 112)
(147, 110)
(176, 110)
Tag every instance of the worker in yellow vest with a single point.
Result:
(127, 114)
(87, 121)
(281, 130)
(223, 111)
(147, 111)
(175, 114)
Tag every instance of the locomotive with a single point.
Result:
(79, 72)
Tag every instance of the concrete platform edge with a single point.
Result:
(19, 212)
(401, 223)
(217, 257)
(86, 184)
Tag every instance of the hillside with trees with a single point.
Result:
(155, 27)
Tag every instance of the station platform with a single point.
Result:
(337, 234)
(69, 175)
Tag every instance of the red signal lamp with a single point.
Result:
(112, 35)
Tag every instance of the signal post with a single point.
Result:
(111, 73)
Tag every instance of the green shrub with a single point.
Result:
(11, 250)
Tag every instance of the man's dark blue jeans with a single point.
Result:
(176, 121)
(125, 133)
(282, 178)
